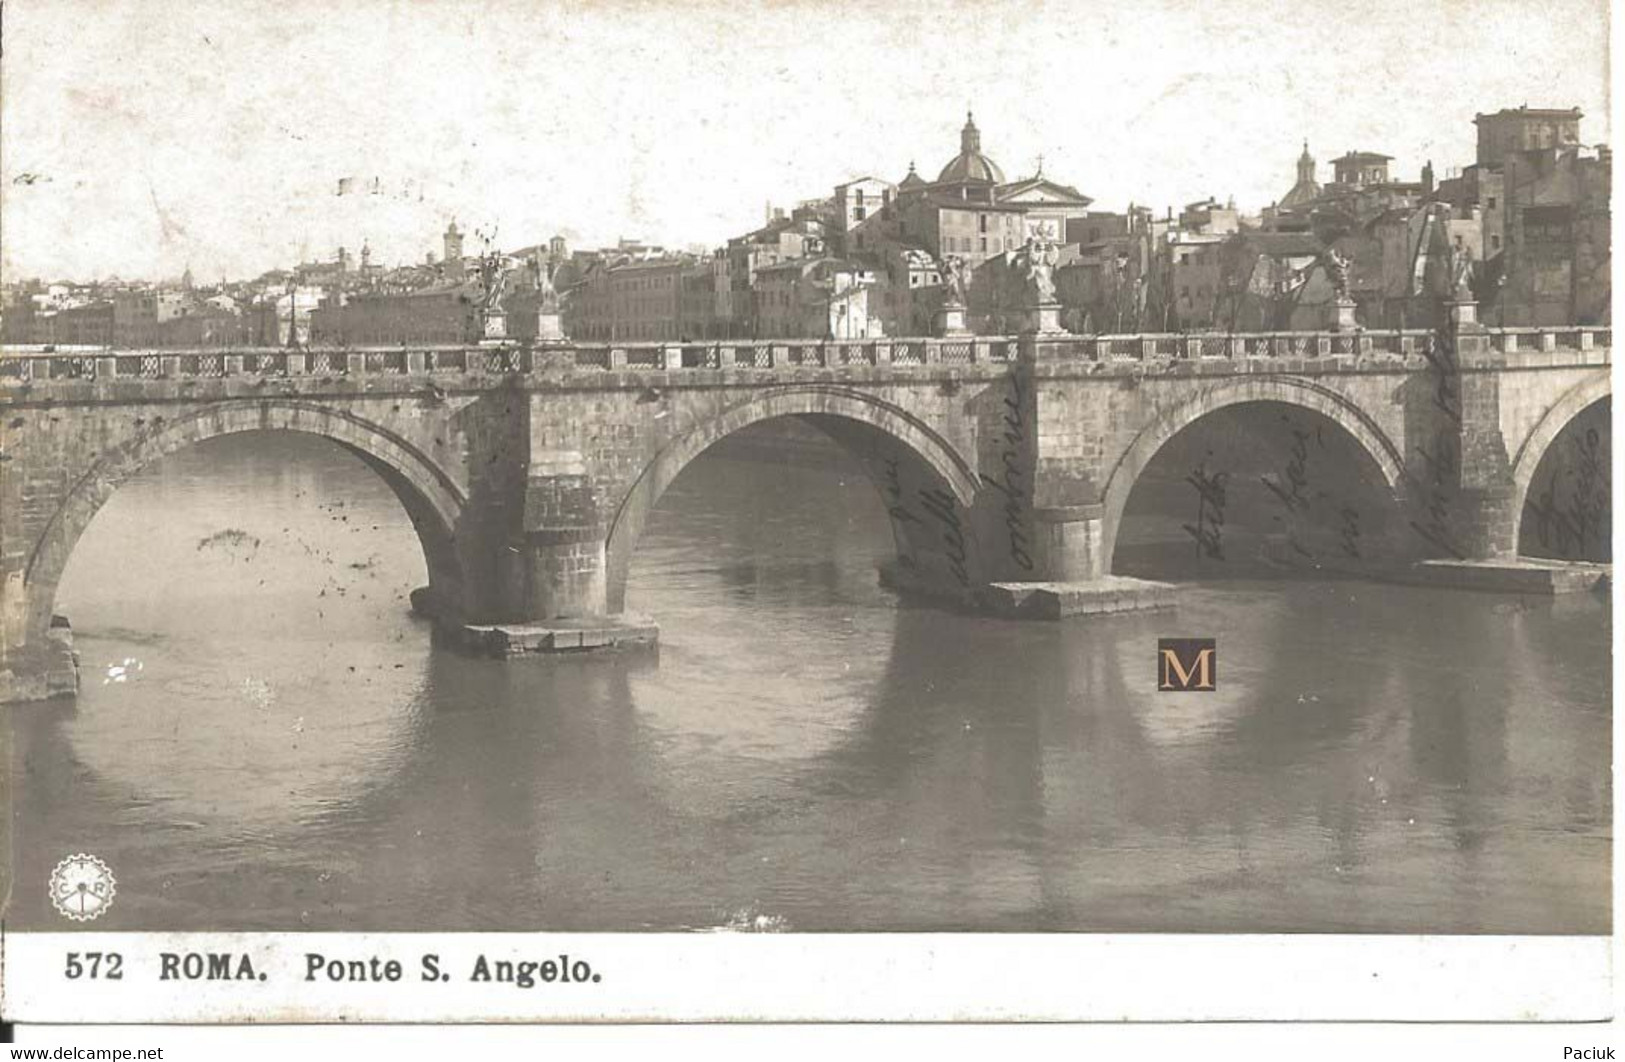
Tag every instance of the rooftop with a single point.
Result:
(1038, 180)
(1285, 243)
(1527, 111)
(651, 263)
(943, 199)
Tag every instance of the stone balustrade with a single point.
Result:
(26, 364)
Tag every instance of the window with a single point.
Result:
(1495, 243)
(984, 244)
(1489, 204)
(859, 213)
(981, 222)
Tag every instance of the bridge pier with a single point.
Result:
(1472, 510)
(1072, 571)
(1066, 571)
(561, 570)
(562, 576)
(1489, 522)
(1071, 542)
(551, 596)
(551, 575)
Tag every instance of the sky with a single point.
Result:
(139, 137)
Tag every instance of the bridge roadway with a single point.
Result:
(1004, 462)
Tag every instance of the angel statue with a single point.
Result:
(954, 280)
(548, 295)
(492, 281)
(1039, 258)
(1461, 273)
(1337, 271)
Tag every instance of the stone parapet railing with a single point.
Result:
(26, 364)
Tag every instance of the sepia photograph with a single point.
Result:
(807, 468)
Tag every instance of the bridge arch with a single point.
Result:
(841, 403)
(432, 500)
(1284, 390)
(1575, 401)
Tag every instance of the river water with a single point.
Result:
(267, 739)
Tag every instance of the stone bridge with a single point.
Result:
(529, 472)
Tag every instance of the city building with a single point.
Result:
(633, 300)
(1357, 169)
(858, 204)
(1051, 207)
(908, 291)
(1513, 131)
(1543, 201)
(816, 298)
(1192, 280)
(440, 313)
(1272, 281)
(1107, 286)
(451, 256)
(698, 318)
(783, 239)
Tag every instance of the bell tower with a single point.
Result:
(453, 242)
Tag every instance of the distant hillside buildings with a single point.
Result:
(1532, 210)
(871, 260)
(868, 260)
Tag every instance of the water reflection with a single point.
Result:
(803, 752)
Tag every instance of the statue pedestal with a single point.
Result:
(951, 320)
(494, 326)
(1043, 319)
(1471, 338)
(549, 327)
(1343, 316)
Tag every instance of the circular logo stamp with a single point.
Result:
(82, 887)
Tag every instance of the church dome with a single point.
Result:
(1306, 189)
(970, 165)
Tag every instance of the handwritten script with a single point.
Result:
(1444, 460)
(1011, 481)
(1569, 528)
(1208, 531)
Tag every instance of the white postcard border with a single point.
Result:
(804, 977)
